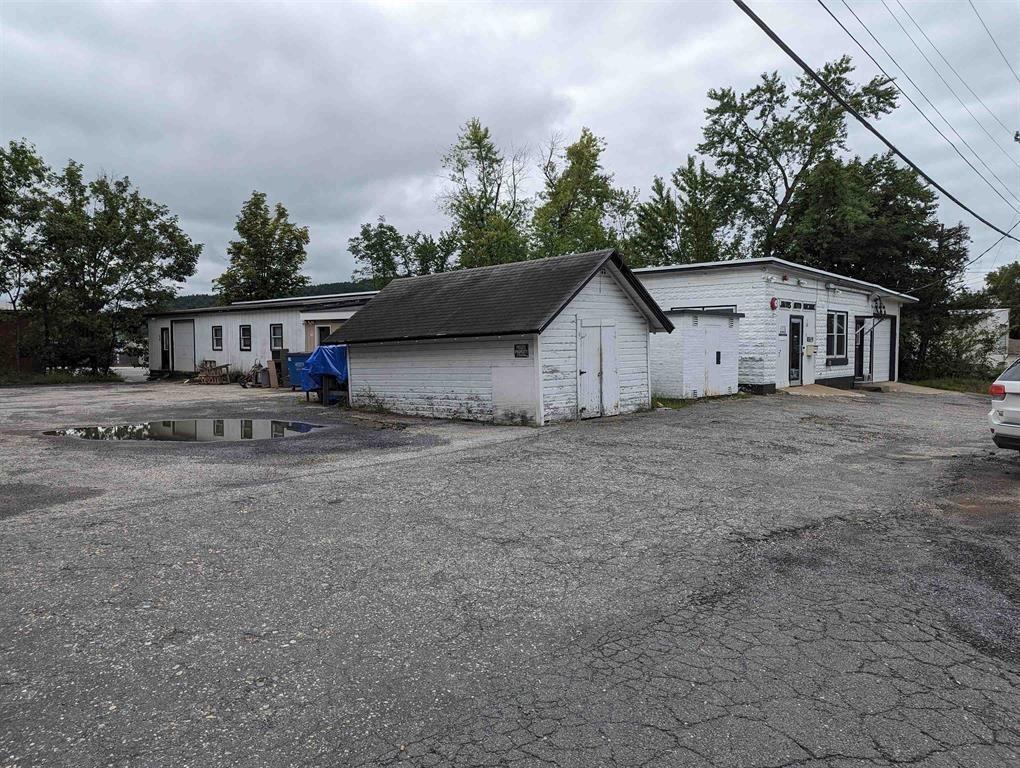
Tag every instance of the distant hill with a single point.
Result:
(199, 300)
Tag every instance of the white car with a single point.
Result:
(1004, 418)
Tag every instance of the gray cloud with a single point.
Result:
(342, 111)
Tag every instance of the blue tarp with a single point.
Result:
(330, 360)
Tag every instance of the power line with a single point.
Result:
(921, 111)
(946, 82)
(996, 44)
(861, 119)
(952, 68)
(971, 261)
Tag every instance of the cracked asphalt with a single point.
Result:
(760, 582)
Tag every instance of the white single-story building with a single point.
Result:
(699, 359)
(801, 325)
(240, 333)
(528, 343)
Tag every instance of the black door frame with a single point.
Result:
(165, 341)
(893, 352)
(859, 324)
(800, 351)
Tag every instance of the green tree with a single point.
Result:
(108, 254)
(684, 223)
(266, 260)
(764, 142)
(877, 221)
(579, 206)
(23, 184)
(383, 254)
(23, 180)
(1003, 287)
(484, 199)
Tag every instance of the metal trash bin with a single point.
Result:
(295, 364)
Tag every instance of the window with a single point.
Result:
(276, 336)
(246, 429)
(1012, 373)
(217, 337)
(244, 337)
(835, 334)
(322, 333)
(217, 427)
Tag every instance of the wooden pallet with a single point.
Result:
(211, 373)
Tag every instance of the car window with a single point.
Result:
(1012, 373)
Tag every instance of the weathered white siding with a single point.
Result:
(448, 379)
(231, 322)
(601, 299)
(764, 343)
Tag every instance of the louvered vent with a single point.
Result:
(731, 322)
(694, 321)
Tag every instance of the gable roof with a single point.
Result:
(505, 299)
(773, 260)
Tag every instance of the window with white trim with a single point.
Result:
(217, 337)
(835, 334)
(244, 338)
(276, 336)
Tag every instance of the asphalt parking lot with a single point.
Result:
(768, 581)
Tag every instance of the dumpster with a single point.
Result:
(296, 364)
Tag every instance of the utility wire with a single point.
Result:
(862, 120)
(966, 85)
(923, 94)
(992, 38)
(971, 261)
(921, 111)
(946, 82)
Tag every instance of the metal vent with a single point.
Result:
(694, 393)
(694, 321)
(731, 322)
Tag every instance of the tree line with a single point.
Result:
(772, 176)
(87, 260)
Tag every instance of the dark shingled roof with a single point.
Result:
(523, 297)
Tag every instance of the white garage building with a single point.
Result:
(527, 343)
(800, 325)
(240, 333)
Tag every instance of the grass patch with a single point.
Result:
(676, 403)
(11, 379)
(980, 386)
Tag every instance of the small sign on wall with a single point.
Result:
(521, 350)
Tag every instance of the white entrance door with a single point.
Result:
(598, 381)
(183, 345)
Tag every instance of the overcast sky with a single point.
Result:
(342, 111)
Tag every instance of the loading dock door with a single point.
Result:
(182, 345)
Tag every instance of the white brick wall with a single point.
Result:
(764, 353)
(440, 379)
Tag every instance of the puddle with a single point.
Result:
(192, 430)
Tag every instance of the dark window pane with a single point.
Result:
(1012, 373)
